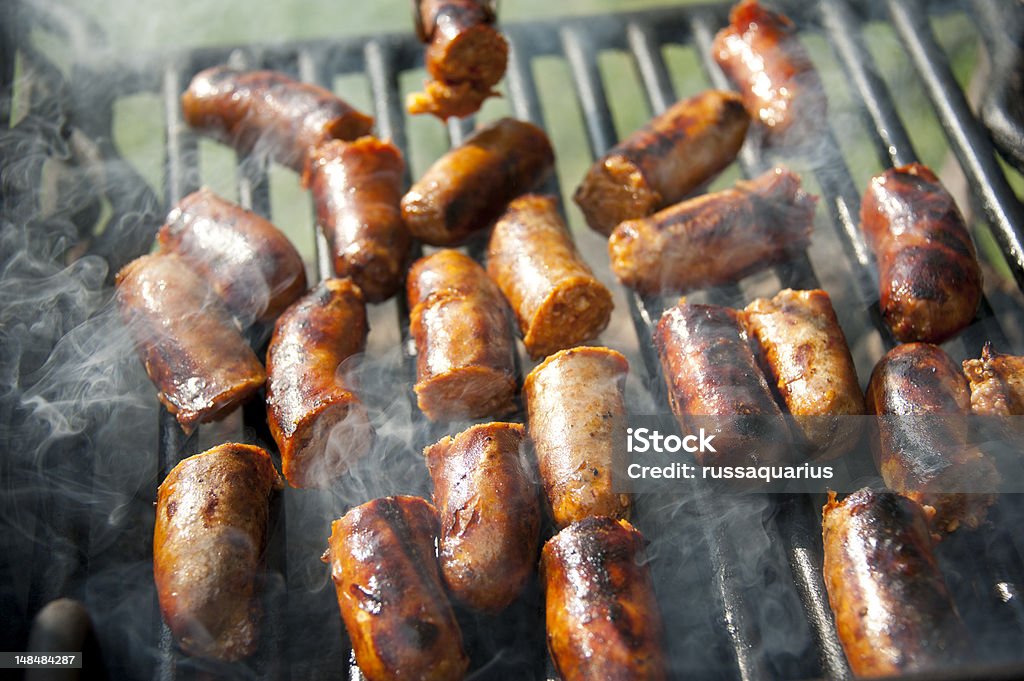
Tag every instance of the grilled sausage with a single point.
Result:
(577, 422)
(715, 238)
(714, 383)
(320, 426)
(465, 348)
(929, 277)
(250, 264)
(997, 383)
(466, 56)
(761, 54)
(267, 111)
(489, 511)
(662, 162)
(603, 621)
(390, 593)
(806, 357)
(357, 188)
(469, 187)
(557, 300)
(922, 451)
(894, 614)
(212, 513)
(193, 352)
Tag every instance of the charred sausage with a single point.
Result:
(665, 160)
(893, 611)
(490, 514)
(469, 187)
(390, 593)
(929, 277)
(715, 238)
(193, 352)
(997, 383)
(557, 300)
(357, 188)
(603, 621)
(212, 513)
(320, 426)
(465, 347)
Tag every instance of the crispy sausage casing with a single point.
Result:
(603, 621)
(922, 451)
(318, 422)
(893, 611)
(557, 300)
(212, 513)
(390, 593)
(761, 54)
(267, 110)
(465, 347)
(806, 356)
(249, 262)
(577, 423)
(665, 160)
(997, 383)
(715, 238)
(489, 508)
(469, 187)
(192, 350)
(357, 189)
(930, 280)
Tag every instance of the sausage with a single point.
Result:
(469, 187)
(997, 383)
(356, 189)
(466, 56)
(602, 616)
(490, 514)
(761, 54)
(716, 238)
(577, 423)
(390, 594)
(662, 162)
(929, 277)
(806, 357)
(557, 300)
(248, 261)
(465, 347)
(193, 352)
(320, 426)
(267, 111)
(922, 450)
(893, 611)
(212, 513)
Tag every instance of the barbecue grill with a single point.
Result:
(739, 580)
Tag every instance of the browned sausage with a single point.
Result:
(761, 54)
(557, 300)
(267, 111)
(577, 423)
(193, 352)
(212, 513)
(465, 347)
(469, 187)
(922, 451)
(807, 359)
(715, 238)
(893, 611)
(490, 514)
(662, 162)
(997, 383)
(390, 593)
(318, 422)
(929, 277)
(603, 621)
(250, 264)
(357, 188)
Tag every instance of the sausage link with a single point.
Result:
(212, 513)
(557, 300)
(997, 383)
